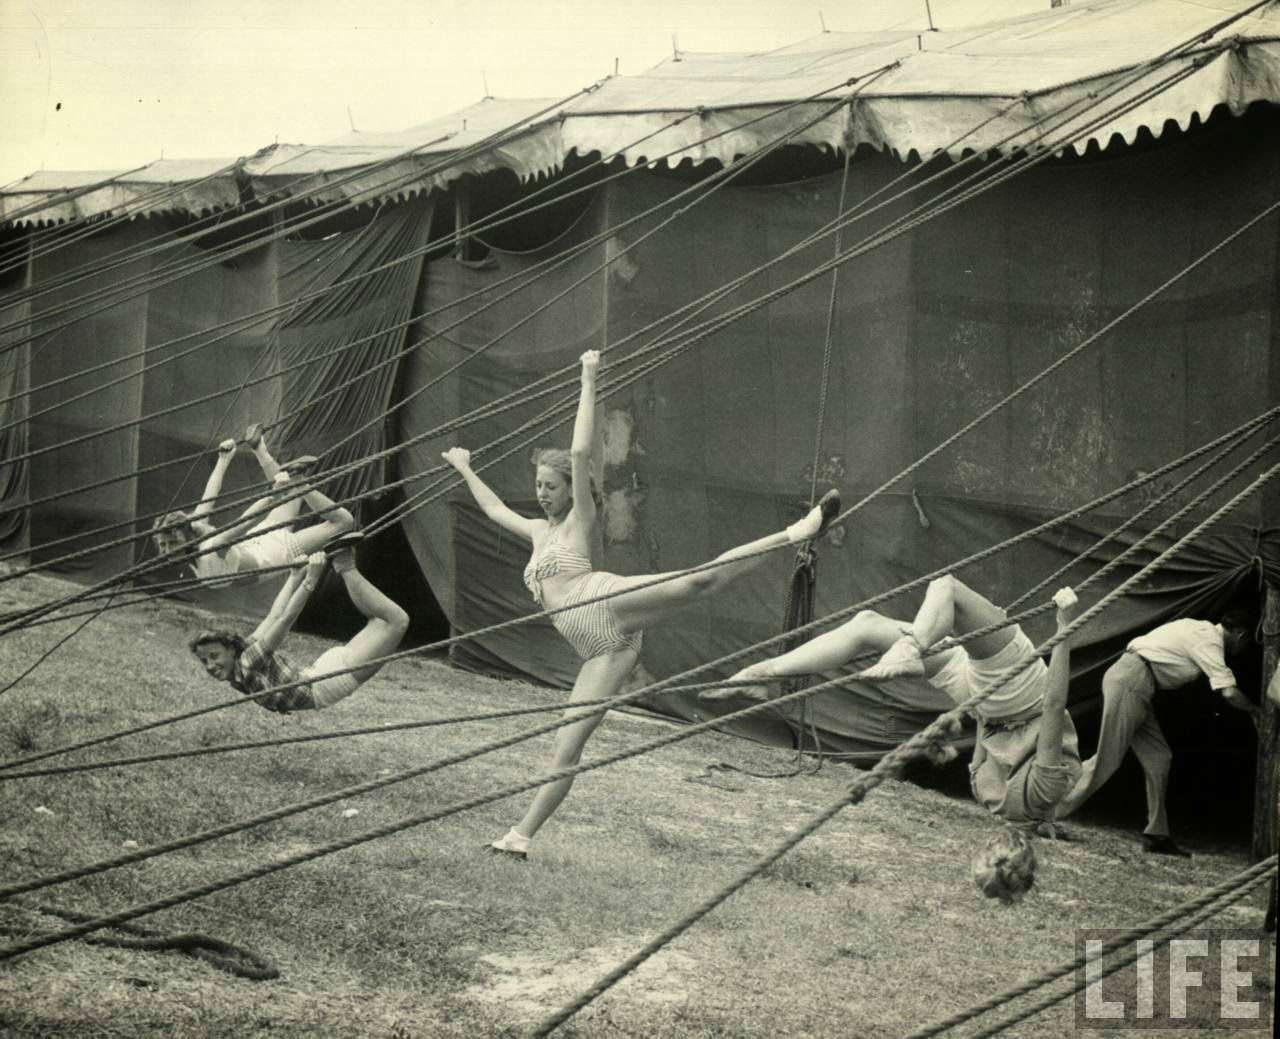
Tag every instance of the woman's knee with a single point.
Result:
(703, 581)
(944, 585)
(397, 620)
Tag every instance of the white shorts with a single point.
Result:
(275, 548)
(272, 549)
(325, 692)
(962, 678)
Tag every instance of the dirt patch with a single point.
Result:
(528, 985)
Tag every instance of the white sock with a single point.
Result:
(807, 528)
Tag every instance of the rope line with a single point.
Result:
(233, 959)
(1213, 900)
(320, 272)
(70, 194)
(224, 748)
(869, 780)
(75, 231)
(548, 266)
(892, 760)
(823, 232)
(1181, 928)
(716, 325)
(188, 584)
(513, 211)
(860, 788)
(1051, 368)
(252, 240)
(737, 655)
(879, 72)
(827, 343)
(707, 187)
(453, 160)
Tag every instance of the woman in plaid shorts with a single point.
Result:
(255, 664)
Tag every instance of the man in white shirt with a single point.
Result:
(1170, 656)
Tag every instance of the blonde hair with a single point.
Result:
(559, 459)
(1006, 867)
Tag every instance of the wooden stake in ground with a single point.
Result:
(1266, 788)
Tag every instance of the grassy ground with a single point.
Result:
(869, 928)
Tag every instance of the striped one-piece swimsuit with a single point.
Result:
(591, 629)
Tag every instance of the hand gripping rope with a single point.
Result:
(893, 760)
(873, 778)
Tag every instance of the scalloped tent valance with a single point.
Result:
(975, 88)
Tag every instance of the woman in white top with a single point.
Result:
(213, 554)
(1025, 757)
(605, 634)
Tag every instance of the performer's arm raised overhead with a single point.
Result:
(601, 615)
(490, 504)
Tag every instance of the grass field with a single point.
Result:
(869, 928)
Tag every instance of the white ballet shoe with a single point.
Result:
(516, 845)
(817, 520)
(900, 660)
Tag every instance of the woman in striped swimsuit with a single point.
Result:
(605, 634)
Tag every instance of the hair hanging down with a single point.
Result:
(223, 636)
(1006, 867)
(558, 458)
(176, 523)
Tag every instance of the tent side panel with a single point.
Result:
(104, 424)
(15, 361)
(207, 357)
(474, 566)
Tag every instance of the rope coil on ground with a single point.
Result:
(772, 642)
(891, 761)
(226, 956)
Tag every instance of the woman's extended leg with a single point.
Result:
(340, 671)
(253, 436)
(335, 521)
(640, 607)
(600, 678)
(950, 607)
(866, 632)
(387, 622)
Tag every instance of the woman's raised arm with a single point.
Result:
(490, 504)
(584, 432)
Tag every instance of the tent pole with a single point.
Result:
(1267, 780)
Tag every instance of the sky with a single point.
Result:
(113, 84)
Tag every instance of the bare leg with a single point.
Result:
(387, 621)
(265, 459)
(867, 632)
(950, 607)
(638, 609)
(336, 521)
(600, 678)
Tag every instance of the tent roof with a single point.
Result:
(975, 88)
